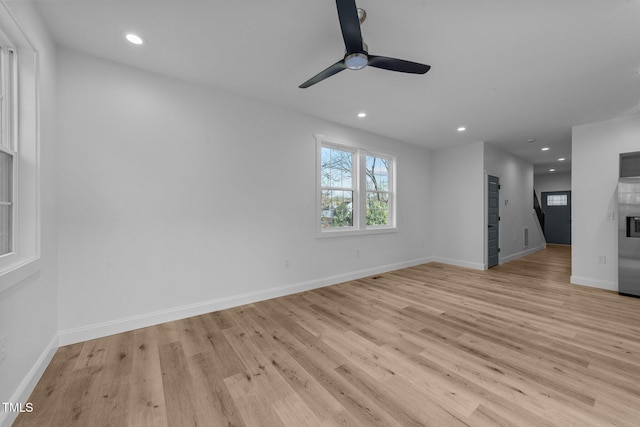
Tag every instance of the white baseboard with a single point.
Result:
(27, 385)
(459, 263)
(594, 283)
(521, 254)
(98, 330)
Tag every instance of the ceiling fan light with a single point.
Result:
(356, 61)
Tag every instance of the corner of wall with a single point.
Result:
(29, 382)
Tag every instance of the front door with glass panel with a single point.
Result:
(556, 206)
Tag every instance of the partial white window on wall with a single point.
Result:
(19, 154)
(8, 115)
(356, 189)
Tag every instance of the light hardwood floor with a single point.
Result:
(429, 345)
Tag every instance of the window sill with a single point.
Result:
(16, 273)
(344, 233)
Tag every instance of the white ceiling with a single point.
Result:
(508, 70)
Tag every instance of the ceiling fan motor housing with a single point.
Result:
(357, 60)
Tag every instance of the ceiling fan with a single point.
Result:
(357, 56)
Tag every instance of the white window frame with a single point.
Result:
(24, 146)
(355, 178)
(391, 190)
(360, 226)
(8, 134)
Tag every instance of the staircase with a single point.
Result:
(538, 209)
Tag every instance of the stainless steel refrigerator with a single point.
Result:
(629, 236)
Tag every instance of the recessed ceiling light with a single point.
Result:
(134, 38)
(462, 129)
(361, 115)
(545, 149)
(552, 170)
(561, 159)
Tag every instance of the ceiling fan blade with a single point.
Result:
(330, 71)
(394, 64)
(350, 25)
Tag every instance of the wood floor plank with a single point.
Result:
(177, 385)
(256, 408)
(213, 401)
(146, 405)
(434, 344)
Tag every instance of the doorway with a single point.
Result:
(556, 206)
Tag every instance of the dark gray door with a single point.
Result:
(556, 206)
(493, 220)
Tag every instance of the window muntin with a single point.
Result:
(356, 190)
(557, 200)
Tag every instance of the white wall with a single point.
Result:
(551, 182)
(28, 310)
(176, 199)
(457, 185)
(516, 203)
(595, 170)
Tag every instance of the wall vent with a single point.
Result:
(526, 237)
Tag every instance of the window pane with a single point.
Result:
(5, 229)
(557, 200)
(377, 171)
(377, 208)
(337, 208)
(325, 163)
(346, 174)
(2, 103)
(342, 165)
(5, 176)
(6, 209)
(336, 168)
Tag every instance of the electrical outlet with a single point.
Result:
(3, 348)
(357, 253)
(602, 259)
(287, 263)
(611, 216)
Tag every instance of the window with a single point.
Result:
(557, 200)
(356, 190)
(7, 147)
(338, 189)
(377, 175)
(19, 153)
